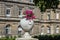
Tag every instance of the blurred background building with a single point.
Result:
(47, 22)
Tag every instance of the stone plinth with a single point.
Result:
(26, 39)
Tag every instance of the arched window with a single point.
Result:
(57, 29)
(19, 29)
(8, 29)
(48, 30)
(42, 30)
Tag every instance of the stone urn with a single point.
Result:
(26, 26)
(27, 23)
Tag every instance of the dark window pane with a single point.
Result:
(41, 17)
(49, 16)
(20, 10)
(8, 11)
(7, 29)
(31, 0)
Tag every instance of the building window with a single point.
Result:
(19, 29)
(42, 30)
(20, 10)
(57, 29)
(8, 11)
(8, 29)
(57, 15)
(41, 17)
(31, 0)
(48, 30)
(48, 16)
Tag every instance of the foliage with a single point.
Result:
(48, 37)
(7, 38)
(44, 4)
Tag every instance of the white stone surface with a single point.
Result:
(26, 24)
(26, 35)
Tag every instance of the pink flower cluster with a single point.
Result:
(29, 14)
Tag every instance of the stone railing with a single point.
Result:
(50, 20)
(18, 1)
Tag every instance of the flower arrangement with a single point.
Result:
(29, 14)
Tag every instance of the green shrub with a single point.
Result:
(7, 38)
(48, 37)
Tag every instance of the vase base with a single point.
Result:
(26, 35)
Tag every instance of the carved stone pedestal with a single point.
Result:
(26, 36)
(26, 39)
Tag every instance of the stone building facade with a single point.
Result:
(47, 22)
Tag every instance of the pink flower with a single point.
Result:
(33, 17)
(29, 14)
